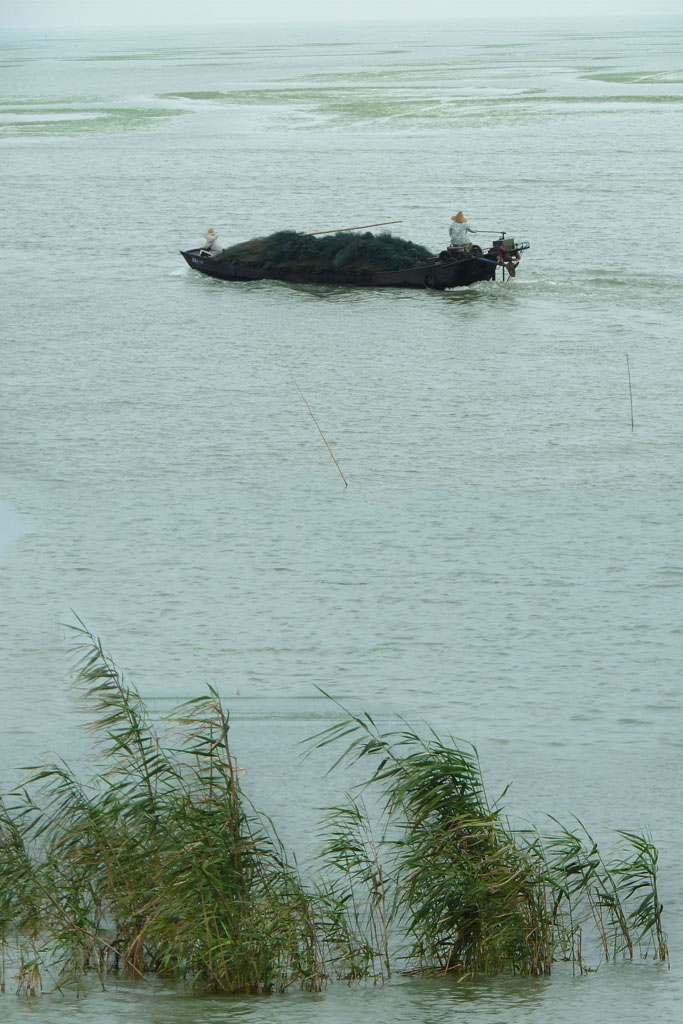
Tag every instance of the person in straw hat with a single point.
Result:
(459, 229)
(213, 246)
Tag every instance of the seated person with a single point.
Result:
(213, 247)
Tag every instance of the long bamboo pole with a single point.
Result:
(312, 414)
(334, 231)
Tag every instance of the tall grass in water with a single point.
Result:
(159, 864)
(354, 897)
(470, 894)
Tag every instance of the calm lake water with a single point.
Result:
(506, 562)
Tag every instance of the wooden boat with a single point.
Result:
(450, 269)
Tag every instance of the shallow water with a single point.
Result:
(506, 560)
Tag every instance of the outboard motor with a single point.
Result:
(504, 243)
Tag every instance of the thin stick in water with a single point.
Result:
(346, 482)
(630, 389)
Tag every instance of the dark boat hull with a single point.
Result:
(435, 276)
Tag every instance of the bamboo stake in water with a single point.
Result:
(346, 482)
(630, 390)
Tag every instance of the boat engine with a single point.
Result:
(504, 243)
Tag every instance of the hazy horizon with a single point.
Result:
(46, 14)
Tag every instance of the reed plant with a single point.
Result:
(355, 896)
(468, 892)
(159, 864)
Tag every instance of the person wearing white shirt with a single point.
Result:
(213, 247)
(459, 229)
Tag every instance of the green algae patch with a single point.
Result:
(197, 95)
(68, 120)
(638, 77)
(385, 103)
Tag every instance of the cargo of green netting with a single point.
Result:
(350, 252)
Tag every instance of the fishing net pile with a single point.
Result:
(348, 251)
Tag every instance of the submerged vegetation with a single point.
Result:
(350, 251)
(159, 864)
